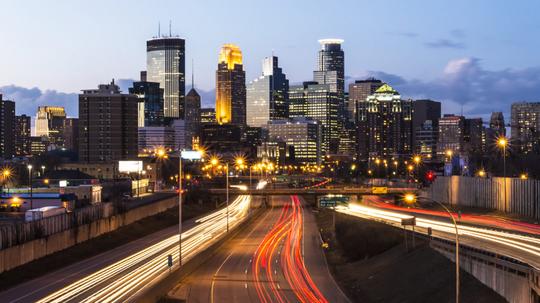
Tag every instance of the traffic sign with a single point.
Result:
(408, 221)
(379, 190)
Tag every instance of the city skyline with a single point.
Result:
(453, 54)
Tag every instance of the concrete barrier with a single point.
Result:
(18, 255)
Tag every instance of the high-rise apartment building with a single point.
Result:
(230, 87)
(7, 129)
(166, 65)
(384, 125)
(22, 135)
(50, 124)
(525, 127)
(358, 92)
(107, 125)
(268, 95)
(318, 102)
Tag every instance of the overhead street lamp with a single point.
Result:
(502, 142)
(410, 199)
(30, 184)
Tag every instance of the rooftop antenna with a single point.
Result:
(170, 32)
(159, 29)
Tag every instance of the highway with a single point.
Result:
(524, 248)
(277, 259)
(122, 274)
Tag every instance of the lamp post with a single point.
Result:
(30, 184)
(410, 198)
(42, 170)
(6, 173)
(449, 153)
(417, 160)
(502, 142)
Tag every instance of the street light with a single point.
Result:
(411, 198)
(42, 170)
(6, 173)
(30, 184)
(481, 173)
(523, 176)
(502, 142)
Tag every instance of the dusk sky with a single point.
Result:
(482, 54)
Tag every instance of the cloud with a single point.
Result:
(445, 43)
(464, 82)
(27, 100)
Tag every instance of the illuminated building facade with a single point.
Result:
(331, 69)
(525, 127)
(384, 125)
(358, 92)
(268, 95)
(451, 135)
(208, 115)
(50, 124)
(302, 134)
(165, 64)
(230, 87)
(22, 135)
(318, 102)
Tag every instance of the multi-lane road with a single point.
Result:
(514, 244)
(124, 273)
(277, 259)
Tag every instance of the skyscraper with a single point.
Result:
(165, 64)
(230, 86)
(71, 134)
(22, 135)
(107, 125)
(474, 136)
(358, 92)
(451, 135)
(50, 124)
(150, 107)
(318, 102)
(525, 127)
(425, 110)
(193, 117)
(7, 129)
(268, 95)
(331, 70)
(384, 125)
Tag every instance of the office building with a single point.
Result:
(7, 129)
(224, 139)
(496, 124)
(425, 110)
(268, 95)
(107, 125)
(451, 135)
(193, 117)
(179, 128)
(38, 145)
(165, 64)
(317, 102)
(22, 135)
(208, 115)
(426, 136)
(525, 127)
(154, 137)
(331, 71)
(358, 92)
(50, 124)
(275, 151)
(150, 106)
(230, 87)
(474, 136)
(384, 125)
(302, 134)
(71, 134)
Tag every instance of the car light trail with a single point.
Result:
(123, 280)
(288, 231)
(520, 247)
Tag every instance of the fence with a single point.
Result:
(21, 232)
(516, 196)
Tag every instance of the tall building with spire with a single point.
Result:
(192, 115)
(165, 64)
(230, 86)
(268, 95)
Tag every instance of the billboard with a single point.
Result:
(191, 155)
(130, 166)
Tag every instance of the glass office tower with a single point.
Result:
(165, 64)
(230, 86)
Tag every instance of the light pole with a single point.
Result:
(42, 170)
(417, 160)
(450, 153)
(227, 197)
(6, 173)
(503, 142)
(30, 184)
(410, 198)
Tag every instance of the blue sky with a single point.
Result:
(482, 54)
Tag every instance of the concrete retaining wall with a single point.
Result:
(21, 254)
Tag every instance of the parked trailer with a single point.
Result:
(43, 212)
